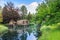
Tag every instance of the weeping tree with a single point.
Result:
(9, 12)
(24, 11)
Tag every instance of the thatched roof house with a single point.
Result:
(19, 22)
(22, 22)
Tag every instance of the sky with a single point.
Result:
(31, 5)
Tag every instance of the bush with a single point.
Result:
(58, 26)
(3, 29)
(44, 28)
(51, 27)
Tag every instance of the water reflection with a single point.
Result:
(0, 38)
(27, 36)
(31, 37)
(29, 33)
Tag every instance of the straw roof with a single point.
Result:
(22, 22)
(12, 22)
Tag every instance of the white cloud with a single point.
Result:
(31, 7)
(20, 5)
(2, 2)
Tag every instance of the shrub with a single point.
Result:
(3, 29)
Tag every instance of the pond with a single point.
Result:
(23, 33)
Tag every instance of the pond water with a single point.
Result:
(29, 34)
(25, 33)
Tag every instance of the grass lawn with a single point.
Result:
(50, 35)
(54, 35)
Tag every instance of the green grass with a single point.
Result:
(54, 35)
(50, 34)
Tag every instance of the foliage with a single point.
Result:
(24, 11)
(9, 12)
(33, 18)
(48, 12)
(51, 27)
(3, 29)
(29, 16)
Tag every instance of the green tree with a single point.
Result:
(29, 16)
(24, 11)
(48, 12)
